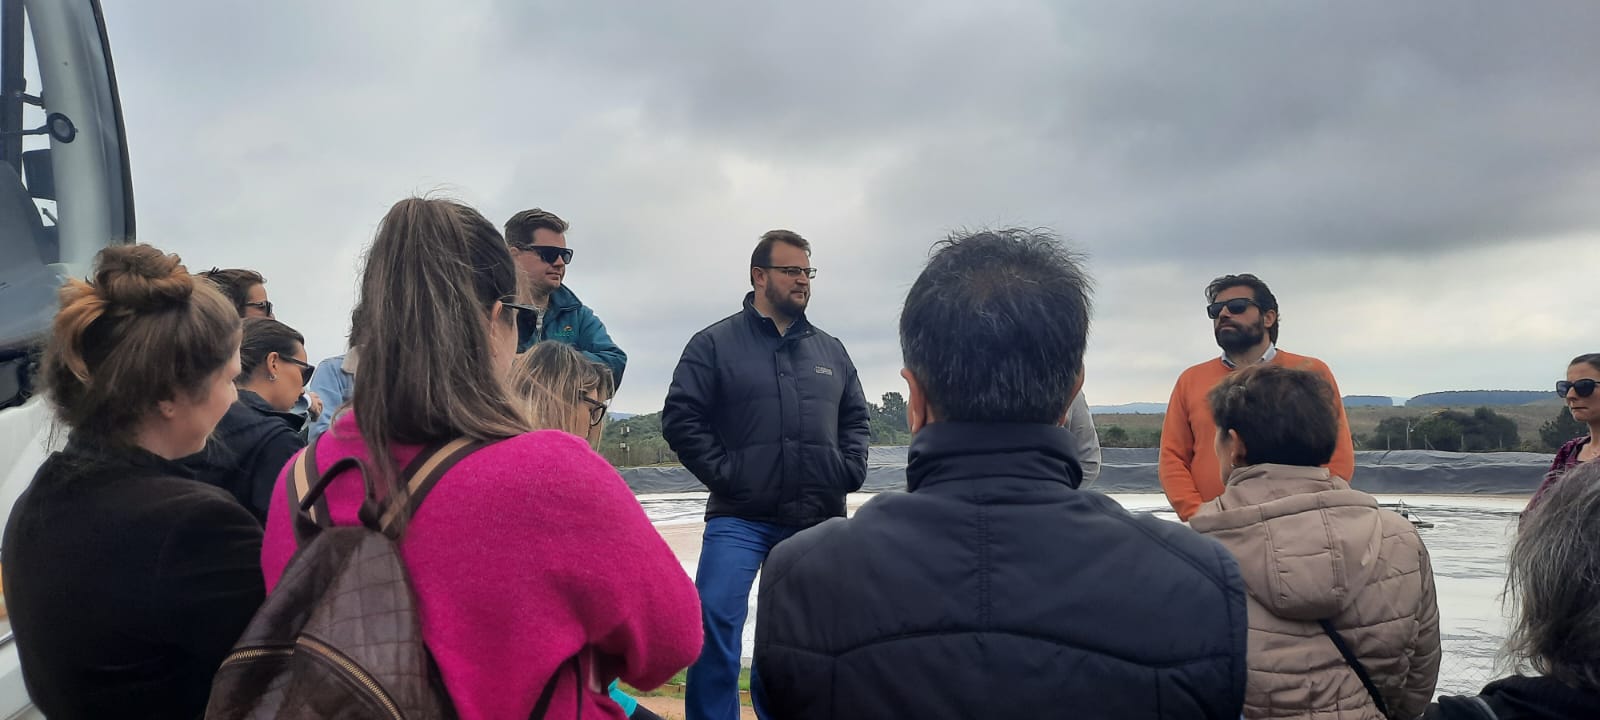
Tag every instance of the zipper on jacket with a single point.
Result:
(354, 671)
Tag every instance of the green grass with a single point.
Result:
(674, 687)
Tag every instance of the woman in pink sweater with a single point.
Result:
(528, 552)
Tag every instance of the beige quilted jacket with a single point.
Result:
(1311, 548)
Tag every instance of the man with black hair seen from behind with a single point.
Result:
(994, 587)
(538, 241)
(768, 412)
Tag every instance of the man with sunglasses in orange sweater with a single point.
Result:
(538, 241)
(1244, 318)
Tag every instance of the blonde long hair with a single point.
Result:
(550, 379)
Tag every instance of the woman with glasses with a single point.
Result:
(259, 434)
(566, 391)
(1578, 390)
(527, 555)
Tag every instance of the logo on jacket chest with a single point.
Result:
(824, 370)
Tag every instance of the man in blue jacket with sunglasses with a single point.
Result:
(538, 241)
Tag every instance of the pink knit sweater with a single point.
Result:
(526, 552)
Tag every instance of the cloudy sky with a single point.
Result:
(1419, 182)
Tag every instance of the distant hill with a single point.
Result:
(1138, 408)
(1368, 401)
(1475, 398)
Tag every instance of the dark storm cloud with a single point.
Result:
(1339, 149)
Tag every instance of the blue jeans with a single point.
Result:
(732, 552)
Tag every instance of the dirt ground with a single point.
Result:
(672, 708)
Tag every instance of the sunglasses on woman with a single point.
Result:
(305, 368)
(1585, 387)
(1236, 306)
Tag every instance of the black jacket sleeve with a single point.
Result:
(277, 448)
(796, 673)
(855, 430)
(209, 577)
(686, 420)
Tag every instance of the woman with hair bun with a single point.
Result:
(126, 579)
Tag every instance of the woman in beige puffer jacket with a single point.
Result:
(1310, 549)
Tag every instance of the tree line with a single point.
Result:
(637, 440)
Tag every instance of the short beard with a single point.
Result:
(781, 302)
(1242, 339)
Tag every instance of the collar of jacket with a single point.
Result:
(83, 447)
(562, 300)
(949, 451)
(255, 402)
(798, 329)
(1256, 493)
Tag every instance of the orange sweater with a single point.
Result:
(1190, 473)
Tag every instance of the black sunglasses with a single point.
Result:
(1585, 387)
(305, 368)
(520, 307)
(1235, 306)
(791, 270)
(265, 305)
(548, 253)
(597, 410)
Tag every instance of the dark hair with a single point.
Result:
(434, 270)
(995, 327)
(520, 228)
(1592, 359)
(1554, 582)
(1263, 296)
(1285, 416)
(262, 337)
(143, 331)
(762, 255)
(235, 284)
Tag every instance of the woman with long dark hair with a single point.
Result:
(527, 553)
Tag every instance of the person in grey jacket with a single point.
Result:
(1085, 440)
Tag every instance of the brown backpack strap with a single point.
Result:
(303, 477)
(424, 472)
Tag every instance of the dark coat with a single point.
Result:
(1520, 698)
(247, 451)
(776, 426)
(996, 589)
(127, 583)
